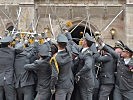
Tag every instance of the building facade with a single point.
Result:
(113, 18)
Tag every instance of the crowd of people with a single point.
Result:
(63, 70)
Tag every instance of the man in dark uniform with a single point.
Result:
(25, 80)
(62, 76)
(124, 71)
(106, 75)
(95, 70)
(43, 71)
(7, 56)
(84, 75)
(74, 51)
(116, 95)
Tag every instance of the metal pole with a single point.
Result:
(37, 22)
(3, 23)
(57, 19)
(18, 18)
(90, 27)
(51, 26)
(7, 16)
(19, 13)
(87, 19)
(86, 23)
(104, 29)
(78, 25)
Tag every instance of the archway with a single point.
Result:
(78, 31)
(9, 27)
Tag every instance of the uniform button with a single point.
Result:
(121, 76)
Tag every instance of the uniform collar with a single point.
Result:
(61, 50)
(84, 49)
(127, 60)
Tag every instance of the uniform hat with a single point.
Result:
(126, 48)
(119, 44)
(89, 38)
(19, 46)
(44, 50)
(6, 39)
(62, 38)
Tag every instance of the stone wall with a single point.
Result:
(129, 23)
(30, 12)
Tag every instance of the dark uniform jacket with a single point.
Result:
(124, 75)
(65, 75)
(6, 65)
(84, 69)
(107, 69)
(43, 71)
(23, 77)
(94, 67)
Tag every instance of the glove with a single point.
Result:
(52, 84)
(53, 90)
(99, 40)
(77, 78)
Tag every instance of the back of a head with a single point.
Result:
(62, 38)
(44, 51)
(62, 41)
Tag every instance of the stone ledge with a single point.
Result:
(82, 5)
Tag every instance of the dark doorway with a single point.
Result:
(10, 28)
(78, 33)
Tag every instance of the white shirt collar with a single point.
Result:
(127, 60)
(61, 50)
(84, 49)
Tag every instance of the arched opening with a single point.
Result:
(77, 33)
(10, 28)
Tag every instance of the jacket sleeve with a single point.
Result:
(33, 66)
(87, 66)
(105, 58)
(111, 51)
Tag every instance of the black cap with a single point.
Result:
(89, 38)
(119, 44)
(126, 48)
(6, 39)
